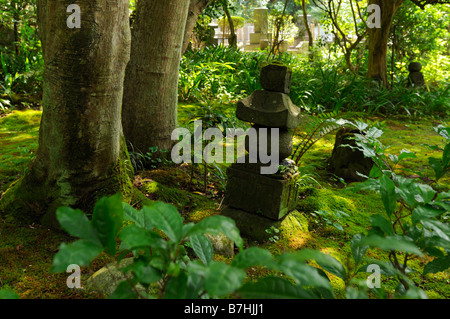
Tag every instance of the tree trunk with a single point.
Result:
(308, 30)
(232, 40)
(81, 154)
(149, 113)
(378, 41)
(196, 7)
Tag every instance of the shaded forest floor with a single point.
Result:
(26, 252)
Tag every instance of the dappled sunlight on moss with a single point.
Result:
(25, 254)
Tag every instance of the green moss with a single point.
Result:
(26, 253)
(193, 207)
(19, 132)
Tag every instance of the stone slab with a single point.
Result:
(260, 194)
(270, 109)
(277, 78)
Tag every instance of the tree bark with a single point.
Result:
(378, 41)
(196, 7)
(232, 40)
(308, 30)
(149, 113)
(81, 154)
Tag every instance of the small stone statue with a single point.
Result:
(415, 78)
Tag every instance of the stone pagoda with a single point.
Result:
(257, 200)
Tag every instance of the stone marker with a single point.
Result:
(265, 199)
(345, 161)
(415, 77)
(259, 39)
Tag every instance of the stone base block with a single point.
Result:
(259, 194)
(251, 226)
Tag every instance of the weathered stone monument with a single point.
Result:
(346, 162)
(260, 37)
(256, 200)
(415, 77)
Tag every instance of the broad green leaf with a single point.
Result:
(407, 190)
(195, 286)
(425, 193)
(414, 293)
(138, 217)
(327, 262)
(134, 237)
(437, 265)
(124, 290)
(253, 256)
(406, 154)
(425, 212)
(436, 165)
(370, 184)
(143, 272)
(375, 172)
(443, 196)
(202, 248)
(304, 275)
(80, 252)
(176, 287)
(358, 252)
(218, 224)
(222, 279)
(76, 223)
(386, 268)
(446, 156)
(165, 217)
(443, 131)
(388, 195)
(396, 243)
(107, 219)
(382, 223)
(440, 229)
(432, 240)
(8, 294)
(355, 293)
(274, 288)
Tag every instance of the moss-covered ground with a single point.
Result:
(26, 252)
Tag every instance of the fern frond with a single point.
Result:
(312, 129)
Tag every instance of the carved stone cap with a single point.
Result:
(270, 109)
(276, 77)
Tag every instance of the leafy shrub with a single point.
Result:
(411, 225)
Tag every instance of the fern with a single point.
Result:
(312, 129)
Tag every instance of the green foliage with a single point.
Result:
(409, 43)
(21, 59)
(411, 225)
(312, 129)
(172, 259)
(8, 294)
(220, 74)
(154, 158)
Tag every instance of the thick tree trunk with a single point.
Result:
(149, 113)
(378, 41)
(196, 7)
(79, 157)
